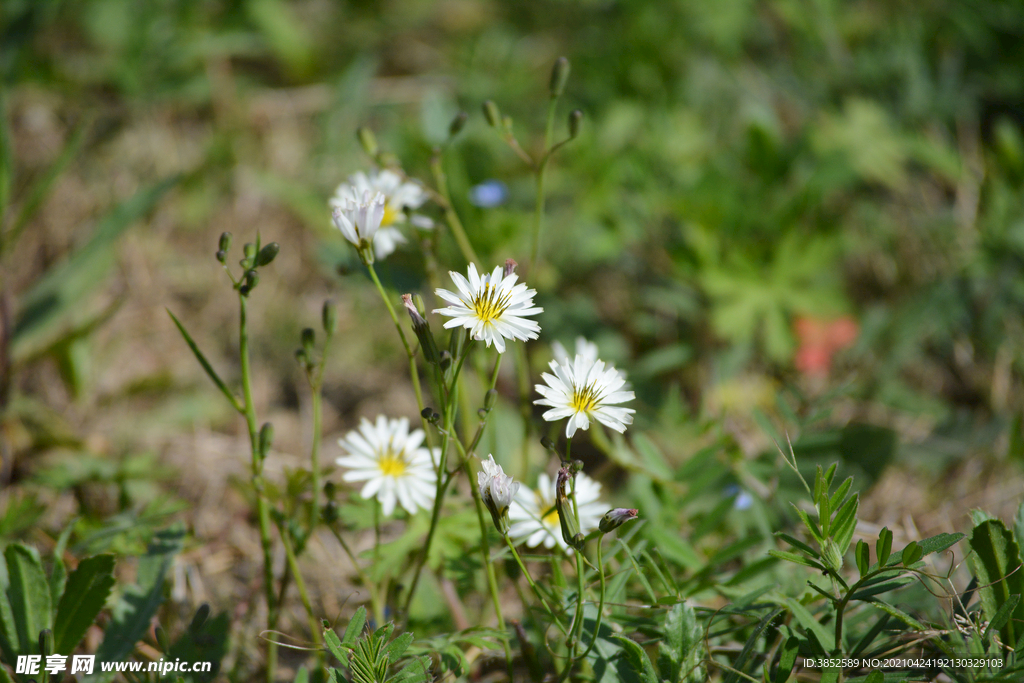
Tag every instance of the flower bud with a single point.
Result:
(497, 490)
(830, 553)
(249, 252)
(490, 398)
(549, 444)
(559, 75)
(308, 338)
(368, 141)
(267, 254)
(563, 504)
(251, 280)
(302, 358)
(266, 439)
(221, 255)
(225, 242)
(492, 114)
(457, 123)
(329, 317)
(510, 267)
(577, 467)
(575, 118)
(613, 519)
(422, 330)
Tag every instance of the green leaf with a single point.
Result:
(825, 639)
(354, 628)
(863, 556)
(787, 659)
(897, 613)
(673, 547)
(748, 647)
(811, 526)
(875, 676)
(845, 523)
(84, 596)
(872, 588)
(205, 640)
(398, 646)
(334, 645)
(840, 495)
(132, 615)
(911, 554)
(996, 563)
(680, 651)
(883, 547)
(29, 594)
(1002, 616)
(797, 544)
(639, 572)
(638, 659)
(798, 559)
(211, 373)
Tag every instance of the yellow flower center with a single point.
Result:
(489, 305)
(392, 464)
(584, 399)
(389, 216)
(551, 519)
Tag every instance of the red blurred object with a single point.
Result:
(820, 340)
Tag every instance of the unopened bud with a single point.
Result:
(457, 123)
(575, 118)
(422, 330)
(510, 267)
(221, 255)
(249, 253)
(548, 444)
(506, 123)
(302, 357)
(613, 519)
(830, 553)
(430, 415)
(267, 254)
(559, 76)
(225, 242)
(308, 338)
(577, 466)
(329, 317)
(490, 398)
(266, 439)
(368, 141)
(492, 114)
(566, 518)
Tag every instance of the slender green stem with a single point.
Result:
(450, 215)
(262, 509)
(378, 611)
(485, 555)
(375, 602)
(538, 212)
(600, 604)
(483, 421)
(316, 386)
(409, 350)
(443, 480)
(300, 584)
(525, 410)
(533, 585)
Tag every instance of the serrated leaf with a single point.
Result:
(398, 646)
(680, 650)
(996, 563)
(638, 659)
(85, 594)
(29, 594)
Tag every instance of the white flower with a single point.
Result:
(497, 490)
(491, 306)
(389, 458)
(359, 219)
(587, 349)
(535, 520)
(582, 390)
(399, 195)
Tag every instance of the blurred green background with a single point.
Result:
(802, 215)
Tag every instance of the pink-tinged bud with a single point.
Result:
(613, 519)
(422, 330)
(563, 504)
(510, 267)
(417, 319)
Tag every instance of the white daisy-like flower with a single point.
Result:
(535, 519)
(582, 390)
(399, 194)
(392, 462)
(491, 306)
(359, 219)
(497, 490)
